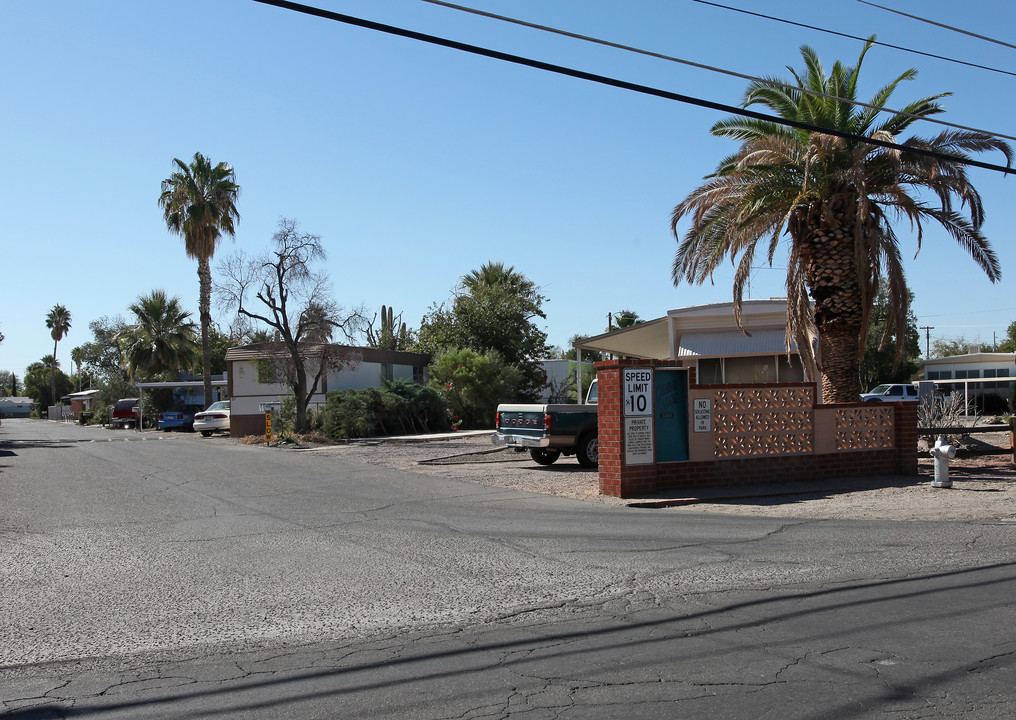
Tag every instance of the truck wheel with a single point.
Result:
(544, 457)
(588, 450)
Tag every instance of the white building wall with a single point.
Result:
(249, 394)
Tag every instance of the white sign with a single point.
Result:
(703, 409)
(638, 441)
(638, 391)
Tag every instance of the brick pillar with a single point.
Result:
(616, 478)
(906, 437)
(609, 426)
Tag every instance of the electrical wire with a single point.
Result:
(710, 68)
(938, 24)
(614, 82)
(855, 37)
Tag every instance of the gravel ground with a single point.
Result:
(984, 486)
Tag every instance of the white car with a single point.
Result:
(892, 393)
(216, 417)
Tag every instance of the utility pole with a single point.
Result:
(927, 340)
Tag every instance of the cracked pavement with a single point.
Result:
(181, 578)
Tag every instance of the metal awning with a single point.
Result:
(649, 340)
(727, 343)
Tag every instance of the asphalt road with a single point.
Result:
(154, 575)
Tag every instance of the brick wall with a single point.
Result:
(619, 480)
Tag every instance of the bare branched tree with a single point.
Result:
(282, 290)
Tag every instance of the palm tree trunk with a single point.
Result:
(837, 345)
(830, 261)
(204, 307)
(52, 374)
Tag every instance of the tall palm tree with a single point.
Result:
(78, 357)
(199, 204)
(58, 320)
(836, 199)
(162, 338)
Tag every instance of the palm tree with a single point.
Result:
(58, 320)
(162, 338)
(493, 274)
(199, 204)
(835, 198)
(78, 357)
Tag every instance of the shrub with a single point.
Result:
(396, 408)
(474, 384)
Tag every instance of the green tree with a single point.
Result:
(198, 202)
(947, 347)
(162, 338)
(474, 383)
(1008, 343)
(625, 319)
(103, 360)
(836, 198)
(885, 360)
(587, 355)
(495, 308)
(42, 377)
(8, 384)
(58, 320)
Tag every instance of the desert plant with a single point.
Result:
(396, 408)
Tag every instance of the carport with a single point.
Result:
(218, 387)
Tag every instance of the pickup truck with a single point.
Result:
(550, 431)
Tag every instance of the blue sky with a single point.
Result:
(417, 164)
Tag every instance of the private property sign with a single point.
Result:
(637, 395)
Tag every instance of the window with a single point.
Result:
(940, 374)
(710, 371)
(968, 374)
(758, 369)
(790, 370)
(387, 371)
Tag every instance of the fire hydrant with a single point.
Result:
(943, 454)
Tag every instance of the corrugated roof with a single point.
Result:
(733, 342)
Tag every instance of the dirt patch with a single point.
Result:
(983, 489)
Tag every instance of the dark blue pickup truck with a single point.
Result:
(550, 431)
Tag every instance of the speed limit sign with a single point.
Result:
(638, 391)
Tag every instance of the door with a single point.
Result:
(671, 408)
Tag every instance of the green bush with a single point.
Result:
(474, 384)
(396, 408)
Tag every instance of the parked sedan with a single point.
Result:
(178, 418)
(216, 417)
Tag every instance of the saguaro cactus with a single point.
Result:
(389, 337)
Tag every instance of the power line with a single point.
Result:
(614, 82)
(721, 71)
(972, 312)
(855, 37)
(938, 24)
